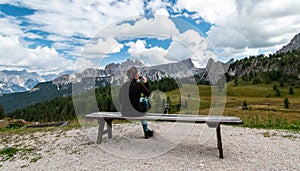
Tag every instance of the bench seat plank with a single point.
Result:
(169, 117)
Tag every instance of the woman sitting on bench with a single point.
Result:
(130, 94)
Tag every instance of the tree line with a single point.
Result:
(280, 67)
(62, 108)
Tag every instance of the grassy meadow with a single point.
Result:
(257, 105)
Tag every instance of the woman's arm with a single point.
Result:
(145, 89)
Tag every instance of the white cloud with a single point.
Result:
(227, 37)
(162, 11)
(231, 53)
(80, 18)
(10, 27)
(102, 47)
(82, 64)
(62, 46)
(155, 4)
(160, 7)
(213, 11)
(190, 44)
(33, 36)
(43, 60)
(160, 26)
(243, 25)
(151, 56)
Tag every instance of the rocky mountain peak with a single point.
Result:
(215, 70)
(184, 68)
(112, 66)
(294, 44)
(128, 63)
(187, 62)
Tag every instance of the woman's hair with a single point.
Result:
(131, 72)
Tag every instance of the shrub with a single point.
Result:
(245, 106)
(291, 91)
(16, 124)
(286, 103)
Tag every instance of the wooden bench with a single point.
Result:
(212, 121)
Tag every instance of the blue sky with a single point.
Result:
(53, 36)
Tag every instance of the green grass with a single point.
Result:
(9, 152)
(21, 130)
(265, 109)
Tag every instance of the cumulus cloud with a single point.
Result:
(160, 26)
(155, 4)
(10, 27)
(33, 36)
(82, 64)
(213, 11)
(44, 60)
(162, 11)
(191, 44)
(151, 56)
(80, 18)
(243, 25)
(102, 47)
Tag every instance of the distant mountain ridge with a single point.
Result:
(91, 77)
(12, 81)
(22, 81)
(116, 72)
(18, 81)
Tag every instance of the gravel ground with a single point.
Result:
(174, 147)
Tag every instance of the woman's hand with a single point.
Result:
(144, 79)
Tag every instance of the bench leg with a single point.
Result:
(101, 130)
(109, 128)
(218, 129)
(101, 123)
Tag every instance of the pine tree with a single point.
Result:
(281, 82)
(1, 112)
(286, 103)
(275, 87)
(277, 92)
(291, 91)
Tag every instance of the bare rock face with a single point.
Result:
(180, 69)
(215, 71)
(294, 44)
